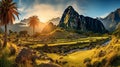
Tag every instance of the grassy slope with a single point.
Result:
(76, 59)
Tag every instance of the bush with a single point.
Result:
(102, 53)
(104, 61)
(116, 61)
(4, 62)
(97, 64)
(87, 62)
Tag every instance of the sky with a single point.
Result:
(48, 9)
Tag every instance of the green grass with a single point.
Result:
(71, 41)
(75, 59)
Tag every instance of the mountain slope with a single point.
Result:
(112, 20)
(71, 19)
(48, 28)
(55, 21)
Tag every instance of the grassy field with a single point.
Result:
(70, 41)
(98, 55)
(73, 60)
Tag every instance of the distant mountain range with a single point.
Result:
(72, 20)
(49, 28)
(112, 21)
(23, 26)
(55, 21)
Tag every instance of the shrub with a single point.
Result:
(104, 61)
(4, 62)
(87, 62)
(97, 64)
(116, 61)
(102, 53)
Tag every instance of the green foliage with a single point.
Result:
(116, 61)
(4, 62)
(4, 54)
(23, 33)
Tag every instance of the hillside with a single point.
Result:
(48, 28)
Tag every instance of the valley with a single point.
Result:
(59, 33)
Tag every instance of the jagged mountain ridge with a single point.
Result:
(112, 21)
(71, 19)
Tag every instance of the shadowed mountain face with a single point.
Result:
(72, 20)
(112, 20)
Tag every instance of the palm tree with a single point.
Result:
(8, 11)
(34, 21)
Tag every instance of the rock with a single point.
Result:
(26, 55)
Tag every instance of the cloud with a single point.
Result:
(47, 9)
(44, 12)
(77, 6)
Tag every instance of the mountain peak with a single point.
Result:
(70, 7)
(72, 20)
(112, 20)
(118, 9)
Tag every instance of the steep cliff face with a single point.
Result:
(72, 20)
(112, 20)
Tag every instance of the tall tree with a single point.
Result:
(34, 22)
(8, 11)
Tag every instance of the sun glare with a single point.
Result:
(43, 20)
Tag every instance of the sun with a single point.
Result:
(43, 20)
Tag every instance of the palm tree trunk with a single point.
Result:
(33, 30)
(5, 37)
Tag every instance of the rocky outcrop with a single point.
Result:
(26, 56)
(72, 20)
